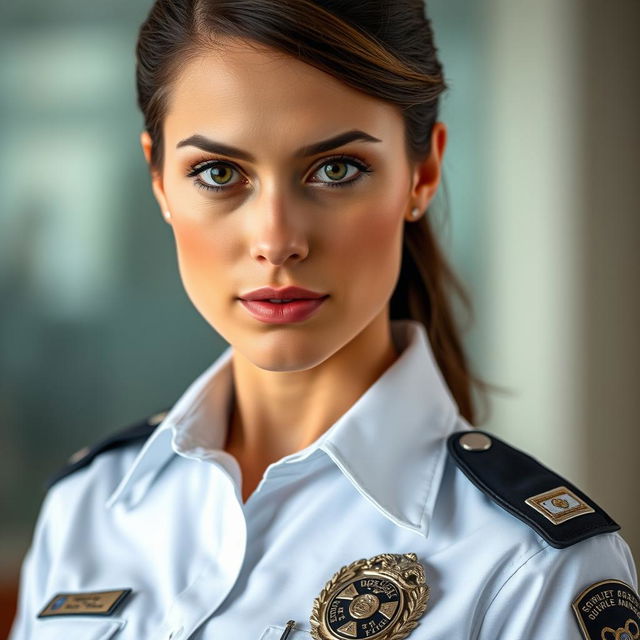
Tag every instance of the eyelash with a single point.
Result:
(204, 164)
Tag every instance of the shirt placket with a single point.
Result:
(199, 601)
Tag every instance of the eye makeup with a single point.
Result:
(204, 164)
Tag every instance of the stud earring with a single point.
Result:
(167, 214)
(415, 213)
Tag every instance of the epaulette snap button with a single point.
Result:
(475, 442)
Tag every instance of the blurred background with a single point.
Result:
(541, 221)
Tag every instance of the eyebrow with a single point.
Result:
(341, 139)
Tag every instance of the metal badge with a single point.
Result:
(380, 598)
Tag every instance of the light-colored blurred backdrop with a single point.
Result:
(543, 182)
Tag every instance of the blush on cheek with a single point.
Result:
(193, 243)
(201, 264)
(370, 255)
(204, 241)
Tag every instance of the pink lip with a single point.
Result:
(282, 313)
(297, 293)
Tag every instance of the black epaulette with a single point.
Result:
(549, 504)
(139, 431)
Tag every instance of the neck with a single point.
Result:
(277, 413)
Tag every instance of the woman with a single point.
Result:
(294, 150)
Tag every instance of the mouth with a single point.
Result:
(282, 295)
(283, 310)
(285, 301)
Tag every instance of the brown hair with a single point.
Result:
(384, 48)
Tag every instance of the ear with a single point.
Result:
(156, 178)
(426, 175)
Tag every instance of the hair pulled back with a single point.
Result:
(384, 48)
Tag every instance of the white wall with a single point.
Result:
(559, 306)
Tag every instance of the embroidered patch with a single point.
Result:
(559, 504)
(608, 610)
(92, 603)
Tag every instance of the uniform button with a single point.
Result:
(475, 442)
(176, 633)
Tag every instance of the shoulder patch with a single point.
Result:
(549, 504)
(608, 610)
(133, 433)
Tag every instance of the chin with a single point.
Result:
(284, 350)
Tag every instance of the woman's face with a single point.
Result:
(331, 221)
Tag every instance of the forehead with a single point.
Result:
(246, 89)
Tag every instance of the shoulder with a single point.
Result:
(548, 555)
(553, 507)
(122, 438)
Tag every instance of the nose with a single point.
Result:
(278, 232)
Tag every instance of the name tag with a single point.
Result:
(96, 603)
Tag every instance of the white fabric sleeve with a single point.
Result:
(535, 602)
(34, 573)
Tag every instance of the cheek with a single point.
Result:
(201, 241)
(203, 261)
(369, 253)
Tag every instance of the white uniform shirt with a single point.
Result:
(167, 520)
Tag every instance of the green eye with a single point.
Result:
(224, 172)
(216, 175)
(333, 170)
(336, 169)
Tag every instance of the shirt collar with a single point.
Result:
(389, 444)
